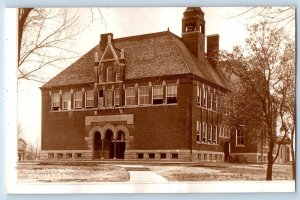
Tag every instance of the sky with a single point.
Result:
(124, 22)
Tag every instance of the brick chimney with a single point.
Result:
(212, 48)
(104, 40)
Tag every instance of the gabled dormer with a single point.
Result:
(110, 68)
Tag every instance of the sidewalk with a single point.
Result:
(146, 177)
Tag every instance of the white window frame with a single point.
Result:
(89, 99)
(199, 95)
(109, 77)
(55, 104)
(209, 100)
(144, 97)
(204, 132)
(108, 93)
(198, 132)
(117, 97)
(172, 93)
(204, 98)
(101, 80)
(209, 130)
(117, 77)
(77, 99)
(101, 99)
(215, 101)
(66, 101)
(132, 96)
(238, 136)
(215, 134)
(158, 95)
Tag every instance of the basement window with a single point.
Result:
(174, 155)
(78, 155)
(50, 155)
(163, 156)
(151, 155)
(69, 155)
(60, 156)
(140, 155)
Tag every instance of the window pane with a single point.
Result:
(108, 98)
(109, 74)
(55, 101)
(172, 94)
(89, 99)
(130, 96)
(117, 97)
(78, 99)
(144, 95)
(157, 94)
(66, 100)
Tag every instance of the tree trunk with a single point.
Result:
(270, 158)
(293, 155)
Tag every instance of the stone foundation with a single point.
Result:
(66, 155)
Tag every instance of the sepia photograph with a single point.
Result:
(169, 99)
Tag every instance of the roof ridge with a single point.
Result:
(140, 36)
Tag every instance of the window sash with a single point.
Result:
(78, 99)
(209, 133)
(66, 98)
(109, 77)
(56, 100)
(198, 131)
(130, 96)
(157, 92)
(144, 95)
(117, 97)
(108, 98)
(171, 90)
(117, 77)
(199, 95)
(239, 138)
(204, 132)
(89, 99)
(215, 134)
(101, 79)
(204, 98)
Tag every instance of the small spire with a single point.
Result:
(122, 54)
(168, 29)
(96, 57)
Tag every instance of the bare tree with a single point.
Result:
(44, 38)
(259, 67)
(284, 16)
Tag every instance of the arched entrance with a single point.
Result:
(108, 141)
(97, 145)
(120, 145)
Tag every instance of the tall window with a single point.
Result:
(55, 101)
(157, 94)
(214, 101)
(171, 94)
(108, 98)
(204, 132)
(117, 97)
(215, 134)
(101, 79)
(209, 131)
(239, 137)
(100, 98)
(117, 77)
(130, 96)
(89, 99)
(204, 98)
(109, 77)
(198, 131)
(144, 95)
(199, 95)
(77, 99)
(66, 101)
(209, 100)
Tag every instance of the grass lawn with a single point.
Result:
(71, 173)
(222, 172)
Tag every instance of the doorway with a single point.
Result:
(97, 145)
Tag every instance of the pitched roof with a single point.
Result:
(149, 55)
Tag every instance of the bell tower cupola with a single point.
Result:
(193, 31)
